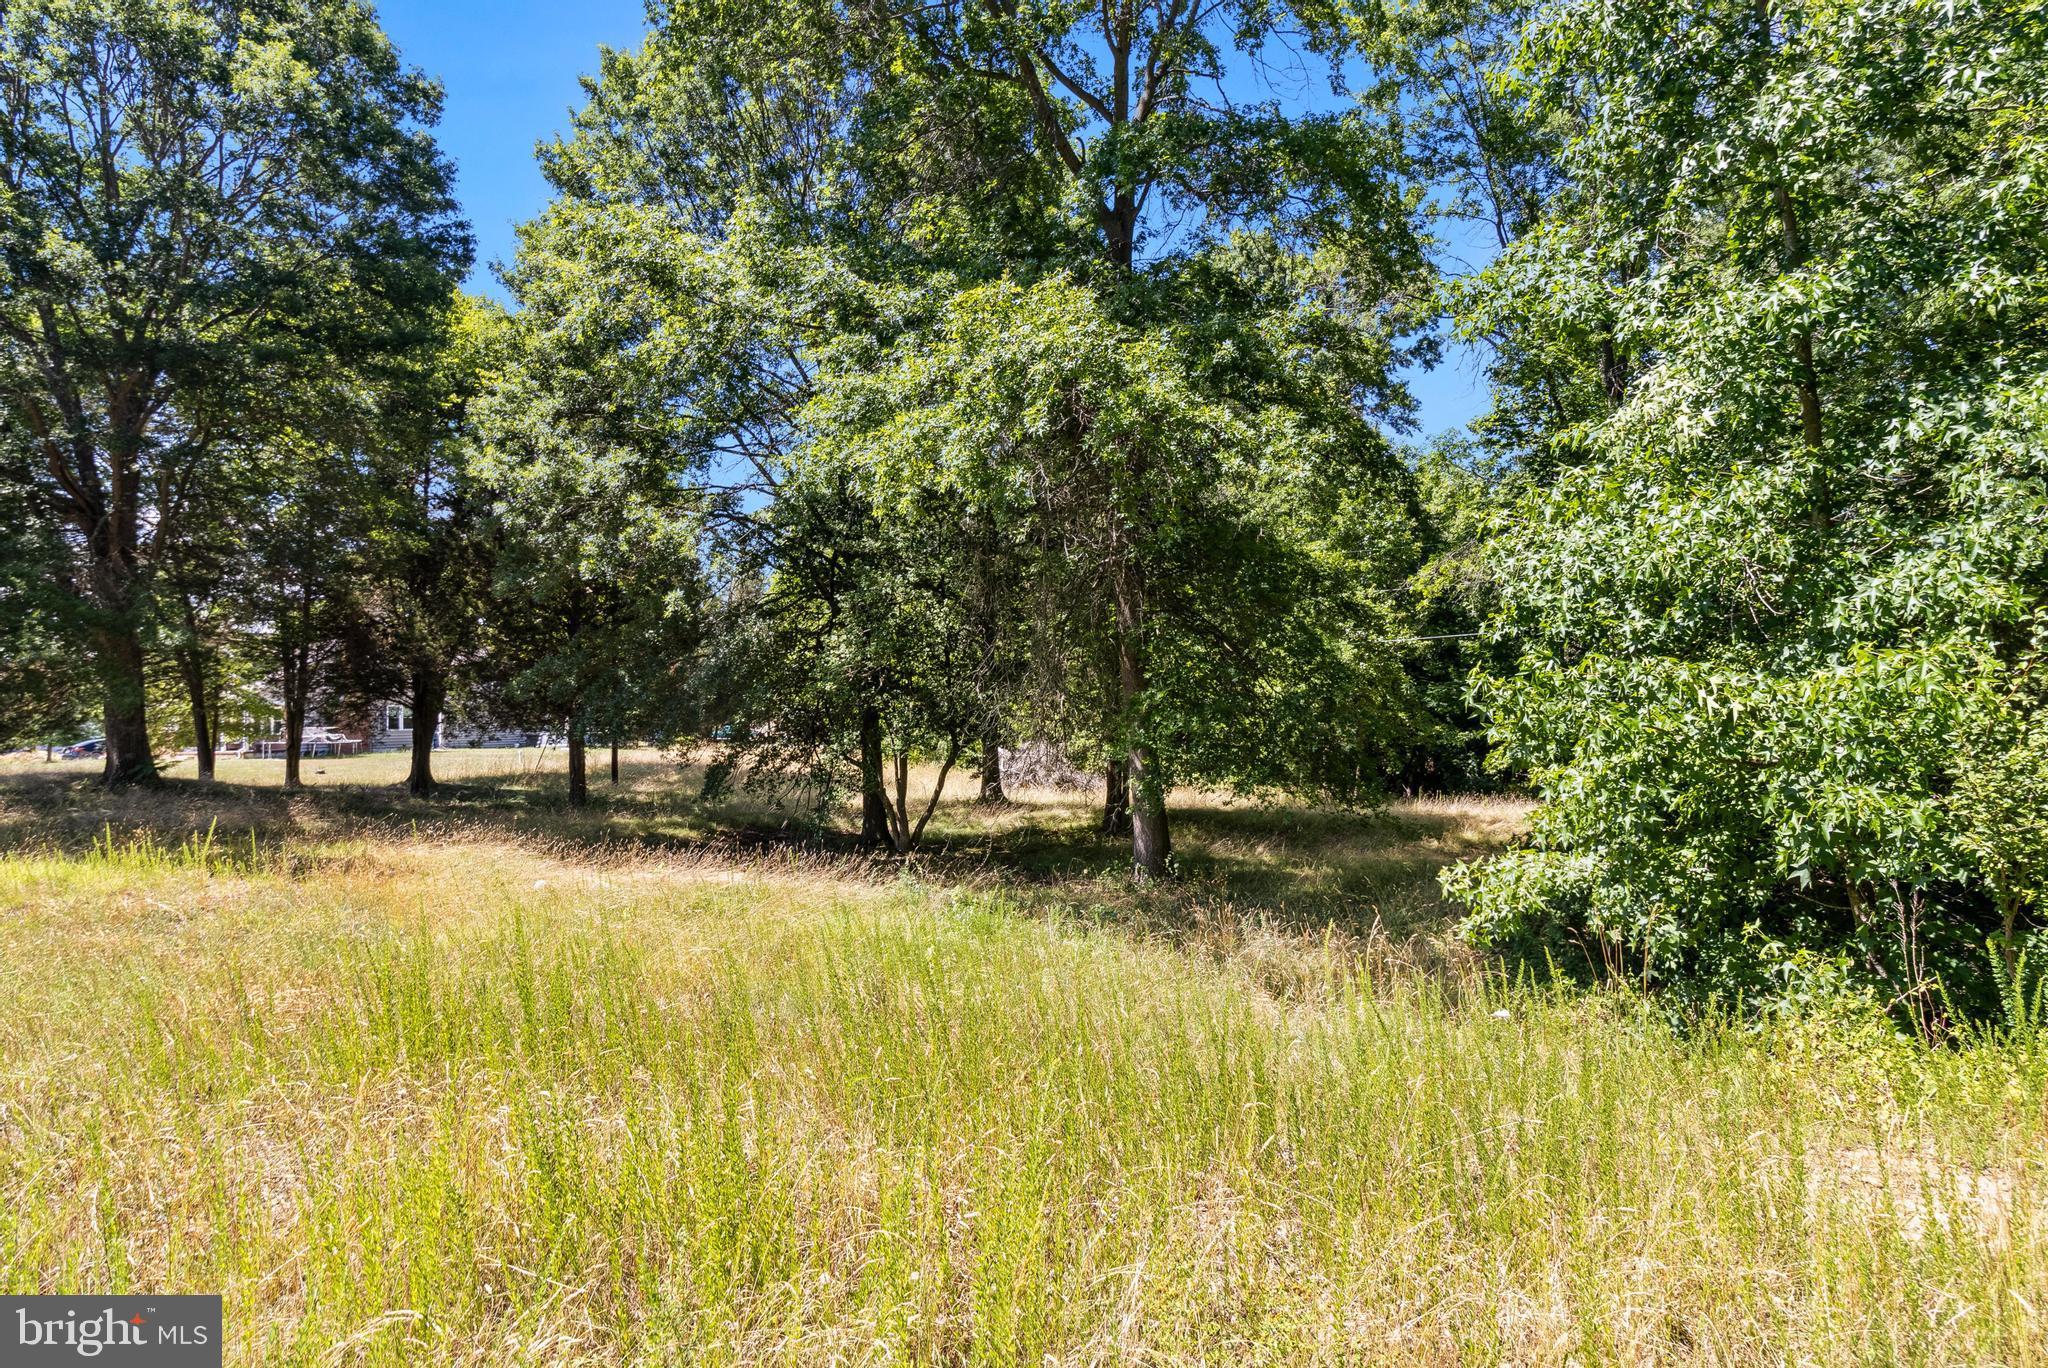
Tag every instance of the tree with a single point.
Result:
(1132, 119)
(1764, 632)
(766, 189)
(1492, 150)
(306, 547)
(593, 621)
(200, 583)
(427, 556)
(1067, 432)
(745, 188)
(200, 200)
(866, 638)
(597, 587)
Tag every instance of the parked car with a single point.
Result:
(85, 750)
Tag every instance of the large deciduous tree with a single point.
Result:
(1258, 527)
(1133, 118)
(201, 201)
(596, 583)
(736, 195)
(1552, 358)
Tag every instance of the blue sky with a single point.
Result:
(510, 68)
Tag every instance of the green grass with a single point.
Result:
(511, 1085)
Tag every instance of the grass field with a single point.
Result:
(367, 771)
(483, 1081)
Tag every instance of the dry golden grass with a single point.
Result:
(380, 769)
(487, 1081)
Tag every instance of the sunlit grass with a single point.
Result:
(455, 765)
(489, 1096)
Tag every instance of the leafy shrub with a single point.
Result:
(1778, 627)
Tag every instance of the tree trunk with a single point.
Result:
(120, 659)
(874, 798)
(1116, 797)
(988, 600)
(1613, 372)
(1150, 842)
(108, 518)
(615, 761)
(191, 658)
(899, 811)
(992, 765)
(1147, 802)
(909, 833)
(1805, 374)
(579, 776)
(429, 692)
(192, 665)
(1808, 376)
(294, 715)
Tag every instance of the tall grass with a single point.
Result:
(471, 1105)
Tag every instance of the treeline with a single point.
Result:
(890, 383)
(828, 423)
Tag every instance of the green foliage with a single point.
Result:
(304, 560)
(1254, 526)
(1492, 156)
(829, 274)
(1448, 597)
(1779, 630)
(427, 554)
(207, 208)
(594, 578)
(46, 684)
(858, 641)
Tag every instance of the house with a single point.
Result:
(383, 726)
(389, 727)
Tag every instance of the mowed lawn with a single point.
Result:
(482, 1081)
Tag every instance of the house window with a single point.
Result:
(397, 717)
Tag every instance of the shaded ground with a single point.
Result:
(1288, 866)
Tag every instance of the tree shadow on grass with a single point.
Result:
(1293, 867)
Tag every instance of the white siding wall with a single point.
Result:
(453, 735)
